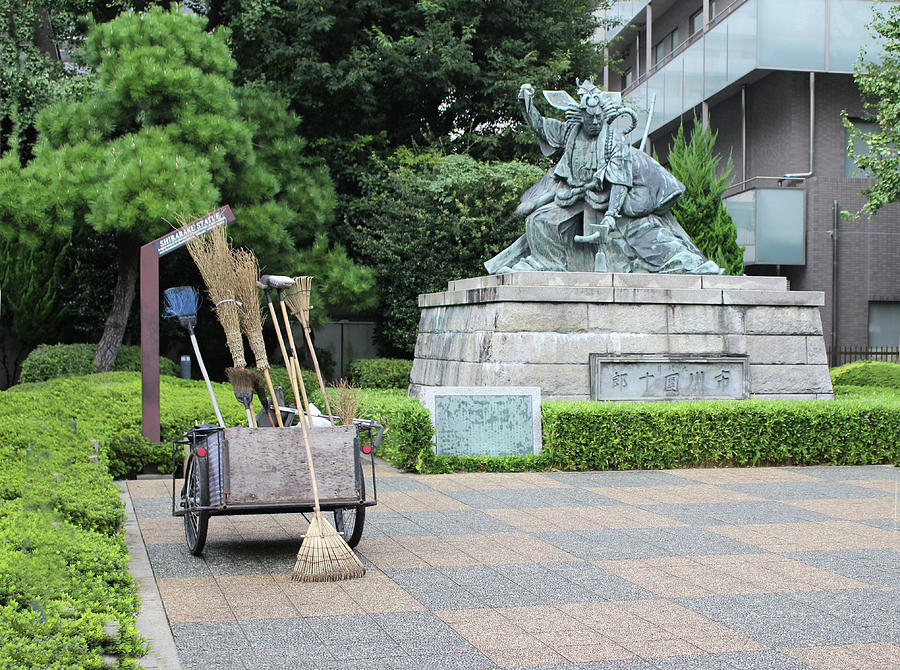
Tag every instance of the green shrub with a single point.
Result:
(379, 373)
(107, 407)
(867, 373)
(66, 598)
(855, 429)
(619, 436)
(48, 361)
(424, 219)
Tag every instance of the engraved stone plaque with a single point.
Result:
(669, 377)
(485, 421)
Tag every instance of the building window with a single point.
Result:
(696, 22)
(627, 78)
(884, 324)
(665, 46)
(860, 147)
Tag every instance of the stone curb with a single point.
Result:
(152, 622)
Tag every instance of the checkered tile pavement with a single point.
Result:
(765, 568)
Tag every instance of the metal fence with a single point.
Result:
(850, 354)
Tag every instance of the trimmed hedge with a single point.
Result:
(48, 361)
(620, 436)
(858, 427)
(867, 373)
(379, 373)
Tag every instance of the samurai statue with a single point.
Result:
(604, 206)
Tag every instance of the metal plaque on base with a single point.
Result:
(485, 421)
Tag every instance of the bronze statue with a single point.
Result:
(604, 206)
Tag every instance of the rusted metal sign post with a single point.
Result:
(150, 255)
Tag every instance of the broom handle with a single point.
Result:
(277, 326)
(274, 398)
(299, 378)
(312, 471)
(212, 396)
(290, 335)
(315, 360)
(250, 422)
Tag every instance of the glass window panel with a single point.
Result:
(716, 75)
(860, 147)
(674, 84)
(742, 209)
(884, 324)
(741, 41)
(779, 226)
(659, 51)
(693, 75)
(656, 85)
(673, 39)
(793, 38)
(627, 78)
(696, 22)
(637, 100)
(848, 33)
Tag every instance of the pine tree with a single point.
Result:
(700, 209)
(165, 134)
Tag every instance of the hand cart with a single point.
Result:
(230, 471)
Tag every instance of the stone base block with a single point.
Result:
(541, 328)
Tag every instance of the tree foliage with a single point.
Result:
(879, 83)
(165, 135)
(425, 219)
(429, 68)
(700, 209)
(32, 74)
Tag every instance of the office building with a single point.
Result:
(772, 78)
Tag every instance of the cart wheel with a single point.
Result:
(349, 522)
(196, 494)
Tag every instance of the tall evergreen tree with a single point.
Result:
(412, 69)
(879, 83)
(165, 133)
(700, 209)
(32, 71)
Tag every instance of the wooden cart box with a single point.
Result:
(267, 466)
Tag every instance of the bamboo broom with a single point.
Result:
(297, 298)
(212, 255)
(246, 270)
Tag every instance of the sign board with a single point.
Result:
(180, 236)
(485, 421)
(149, 301)
(654, 377)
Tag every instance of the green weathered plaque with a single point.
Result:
(485, 421)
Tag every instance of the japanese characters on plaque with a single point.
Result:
(490, 421)
(668, 378)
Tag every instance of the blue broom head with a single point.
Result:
(181, 304)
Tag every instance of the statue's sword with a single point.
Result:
(649, 118)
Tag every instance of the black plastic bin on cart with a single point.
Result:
(264, 471)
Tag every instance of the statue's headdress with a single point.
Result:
(592, 99)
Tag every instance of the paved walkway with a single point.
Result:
(775, 568)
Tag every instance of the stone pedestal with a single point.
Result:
(544, 329)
